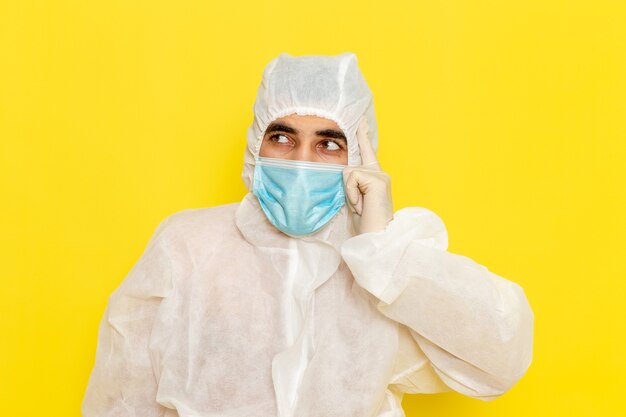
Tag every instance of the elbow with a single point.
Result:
(516, 350)
(478, 384)
(495, 366)
(515, 356)
(495, 387)
(475, 383)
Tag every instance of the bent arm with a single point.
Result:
(475, 327)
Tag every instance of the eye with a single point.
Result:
(279, 138)
(331, 145)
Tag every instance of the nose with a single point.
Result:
(303, 153)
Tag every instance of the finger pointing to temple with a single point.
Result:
(368, 156)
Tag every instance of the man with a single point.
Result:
(310, 297)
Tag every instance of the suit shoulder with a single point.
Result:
(200, 222)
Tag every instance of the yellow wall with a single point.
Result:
(505, 118)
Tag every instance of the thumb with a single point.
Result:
(353, 194)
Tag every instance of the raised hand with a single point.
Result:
(368, 187)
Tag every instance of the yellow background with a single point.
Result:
(505, 118)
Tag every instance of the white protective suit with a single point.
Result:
(224, 315)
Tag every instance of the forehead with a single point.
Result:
(307, 122)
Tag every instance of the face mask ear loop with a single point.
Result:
(255, 154)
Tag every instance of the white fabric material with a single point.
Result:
(224, 315)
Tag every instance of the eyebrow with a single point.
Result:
(327, 133)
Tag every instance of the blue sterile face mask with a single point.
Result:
(298, 197)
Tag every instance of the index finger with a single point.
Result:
(368, 156)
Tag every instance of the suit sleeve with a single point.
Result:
(463, 327)
(122, 381)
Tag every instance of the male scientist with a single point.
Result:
(311, 296)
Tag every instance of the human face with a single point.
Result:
(305, 138)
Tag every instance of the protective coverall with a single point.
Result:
(224, 315)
